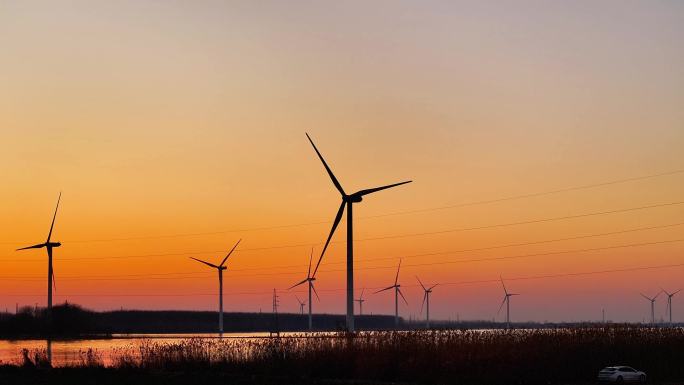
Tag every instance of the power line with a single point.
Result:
(405, 212)
(531, 277)
(468, 260)
(507, 224)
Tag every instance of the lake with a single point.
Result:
(69, 352)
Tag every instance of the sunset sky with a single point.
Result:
(175, 128)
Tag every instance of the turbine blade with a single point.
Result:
(402, 296)
(53, 218)
(362, 290)
(33, 247)
(502, 284)
(372, 190)
(297, 284)
(396, 279)
(433, 286)
(330, 173)
(676, 292)
(501, 306)
(387, 288)
(338, 217)
(663, 290)
(308, 275)
(421, 284)
(656, 296)
(230, 252)
(206, 263)
(315, 292)
(423, 304)
(645, 296)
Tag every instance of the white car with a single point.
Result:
(621, 374)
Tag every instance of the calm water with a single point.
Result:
(70, 352)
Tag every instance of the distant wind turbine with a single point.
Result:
(360, 300)
(220, 268)
(652, 306)
(669, 301)
(310, 279)
(301, 305)
(426, 301)
(49, 245)
(397, 293)
(507, 301)
(348, 201)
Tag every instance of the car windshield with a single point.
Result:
(609, 369)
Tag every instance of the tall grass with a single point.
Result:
(467, 356)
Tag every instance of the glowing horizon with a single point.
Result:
(173, 130)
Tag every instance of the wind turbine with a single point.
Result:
(220, 268)
(669, 301)
(426, 300)
(360, 300)
(49, 245)
(507, 301)
(310, 279)
(301, 305)
(652, 306)
(348, 201)
(397, 293)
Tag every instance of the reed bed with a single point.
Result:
(454, 356)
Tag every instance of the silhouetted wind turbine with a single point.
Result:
(301, 305)
(220, 269)
(652, 306)
(507, 301)
(426, 300)
(669, 301)
(310, 279)
(348, 201)
(48, 245)
(360, 300)
(397, 293)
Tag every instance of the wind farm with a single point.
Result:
(480, 152)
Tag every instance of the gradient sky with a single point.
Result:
(187, 119)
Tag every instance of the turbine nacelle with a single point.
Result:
(53, 244)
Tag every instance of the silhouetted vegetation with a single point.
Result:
(458, 356)
(70, 320)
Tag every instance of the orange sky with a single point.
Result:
(160, 119)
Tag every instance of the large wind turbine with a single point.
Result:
(301, 305)
(360, 300)
(348, 201)
(507, 301)
(397, 293)
(48, 245)
(220, 269)
(652, 306)
(426, 300)
(669, 301)
(310, 279)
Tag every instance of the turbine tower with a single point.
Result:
(652, 306)
(49, 245)
(301, 305)
(669, 301)
(426, 301)
(220, 268)
(310, 279)
(397, 293)
(360, 300)
(348, 201)
(507, 301)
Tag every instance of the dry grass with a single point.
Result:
(497, 356)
